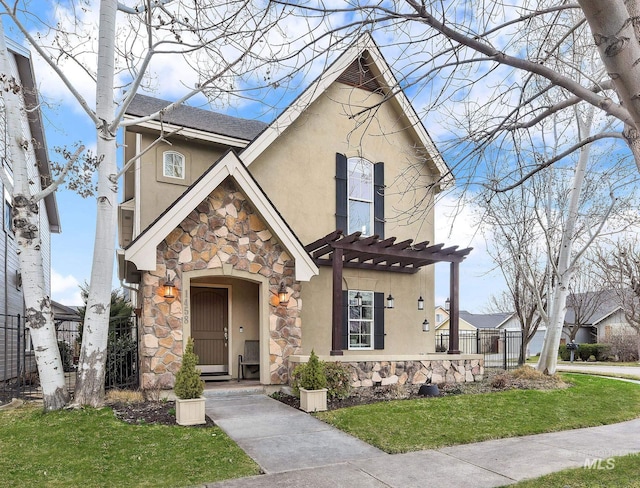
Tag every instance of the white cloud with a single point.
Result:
(65, 289)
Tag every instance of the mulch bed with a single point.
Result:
(163, 412)
(494, 381)
(150, 412)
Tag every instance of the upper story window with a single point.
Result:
(173, 164)
(360, 196)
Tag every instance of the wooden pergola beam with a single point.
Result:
(353, 251)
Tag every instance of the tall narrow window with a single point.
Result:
(360, 196)
(173, 164)
(8, 221)
(361, 319)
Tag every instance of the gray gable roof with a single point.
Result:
(197, 118)
(484, 320)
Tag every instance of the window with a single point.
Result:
(8, 221)
(359, 196)
(173, 164)
(439, 318)
(361, 320)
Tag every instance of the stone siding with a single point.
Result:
(225, 230)
(414, 372)
(370, 373)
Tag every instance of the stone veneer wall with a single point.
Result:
(414, 372)
(223, 229)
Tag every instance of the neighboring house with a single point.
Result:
(67, 321)
(512, 323)
(15, 351)
(237, 224)
(442, 332)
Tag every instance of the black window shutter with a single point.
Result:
(341, 193)
(378, 320)
(345, 319)
(378, 200)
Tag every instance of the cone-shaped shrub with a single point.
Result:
(312, 375)
(188, 383)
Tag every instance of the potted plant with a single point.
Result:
(188, 389)
(312, 383)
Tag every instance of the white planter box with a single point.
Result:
(313, 400)
(190, 412)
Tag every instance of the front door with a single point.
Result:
(210, 328)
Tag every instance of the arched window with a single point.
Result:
(360, 196)
(173, 164)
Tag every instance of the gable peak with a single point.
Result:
(359, 74)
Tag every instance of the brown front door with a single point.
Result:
(210, 328)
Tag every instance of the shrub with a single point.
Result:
(624, 347)
(565, 354)
(338, 380)
(585, 351)
(188, 383)
(309, 375)
(312, 376)
(66, 355)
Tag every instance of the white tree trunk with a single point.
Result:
(26, 223)
(91, 369)
(565, 267)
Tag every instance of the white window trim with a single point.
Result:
(164, 167)
(370, 202)
(372, 320)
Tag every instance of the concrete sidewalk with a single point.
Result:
(296, 450)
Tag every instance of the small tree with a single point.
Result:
(188, 383)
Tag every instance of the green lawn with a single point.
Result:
(623, 473)
(412, 425)
(92, 448)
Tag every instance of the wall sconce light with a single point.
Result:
(420, 303)
(390, 301)
(425, 326)
(447, 304)
(282, 294)
(169, 288)
(358, 298)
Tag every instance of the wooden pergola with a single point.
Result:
(353, 251)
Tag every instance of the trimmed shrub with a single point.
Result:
(564, 353)
(309, 375)
(312, 375)
(338, 380)
(188, 383)
(585, 351)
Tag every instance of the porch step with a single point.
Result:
(234, 390)
(215, 376)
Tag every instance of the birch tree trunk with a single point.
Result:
(565, 269)
(26, 224)
(91, 368)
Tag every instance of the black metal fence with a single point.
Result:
(18, 371)
(500, 348)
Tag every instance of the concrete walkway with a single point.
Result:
(600, 369)
(296, 450)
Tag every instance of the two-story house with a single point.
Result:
(312, 232)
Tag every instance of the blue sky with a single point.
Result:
(66, 124)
